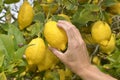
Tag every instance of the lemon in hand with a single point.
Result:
(35, 52)
(100, 31)
(25, 15)
(55, 36)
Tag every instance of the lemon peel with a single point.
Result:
(25, 15)
(100, 31)
(49, 8)
(55, 36)
(65, 16)
(115, 9)
(49, 61)
(110, 47)
(35, 52)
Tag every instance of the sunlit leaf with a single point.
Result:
(2, 55)
(89, 13)
(7, 44)
(108, 3)
(17, 35)
(3, 76)
(20, 52)
(35, 29)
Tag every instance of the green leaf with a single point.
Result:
(39, 17)
(108, 3)
(90, 12)
(1, 5)
(3, 76)
(35, 29)
(20, 52)
(17, 35)
(7, 45)
(2, 55)
(56, 18)
(10, 1)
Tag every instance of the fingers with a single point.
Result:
(71, 31)
(59, 54)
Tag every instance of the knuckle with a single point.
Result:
(69, 28)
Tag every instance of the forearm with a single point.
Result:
(93, 73)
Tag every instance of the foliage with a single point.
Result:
(13, 41)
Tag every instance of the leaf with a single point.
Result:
(39, 17)
(20, 52)
(115, 57)
(7, 45)
(4, 27)
(2, 55)
(35, 29)
(3, 76)
(1, 5)
(108, 3)
(10, 1)
(89, 13)
(17, 35)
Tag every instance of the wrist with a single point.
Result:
(91, 72)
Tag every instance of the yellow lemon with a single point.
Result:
(65, 16)
(49, 8)
(96, 60)
(110, 47)
(62, 74)
(25, 15)
(100, 31)
(115, 9)
(55, 36)
(35, 52)
(49, 61)
(50, 1)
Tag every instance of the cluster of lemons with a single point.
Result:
(37, 53)
(102, 35)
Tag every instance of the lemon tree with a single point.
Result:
(24, 40)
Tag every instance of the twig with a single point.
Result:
(94, 52)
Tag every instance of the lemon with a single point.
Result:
(25, 15)
(49, 61)
(115, 9)
(49, 8)
(62, 74)
(96, 60)
(100, 31)
(110, 47)
(65, 16)
(55, 36)
(50, 1)
(35, 52)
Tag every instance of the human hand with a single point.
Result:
(76, 56)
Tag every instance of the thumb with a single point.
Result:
(59, 54)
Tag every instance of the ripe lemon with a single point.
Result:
(50, 1)
(115, 9)
(25, 15)
(49, 61)
(96, 60)
(65, 16)
(100, 31)
(49, 8)
(35, 52)
(110, 47)
(55, 36)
